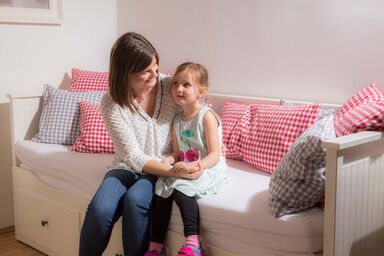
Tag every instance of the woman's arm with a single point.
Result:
(157, 168)
(122, 134)
(174, 156)
(126, 144)
(163, 168)
(124, 138)
(152, 167)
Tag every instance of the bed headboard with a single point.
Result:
(25, 114)
(218, 101)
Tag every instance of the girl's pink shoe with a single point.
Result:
(153, 253)
(188, 251)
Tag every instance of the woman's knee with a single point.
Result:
(140, 195)
(101, 212)
(107, 201)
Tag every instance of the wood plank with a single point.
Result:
(9, 246)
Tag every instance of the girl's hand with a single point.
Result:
(188, 176)
(193, 176)
(179, 167)
(187, 168)
(197, 167)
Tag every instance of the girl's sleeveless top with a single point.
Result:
(193, 147)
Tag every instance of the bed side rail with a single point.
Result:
(25, 113)
(354, 195)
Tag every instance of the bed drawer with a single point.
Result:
(48, 224)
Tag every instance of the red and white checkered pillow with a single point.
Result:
(235, 119)
(273, 129)
(363, 111)
(94, 137)
(88, 81)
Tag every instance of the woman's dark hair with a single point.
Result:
(130, 54)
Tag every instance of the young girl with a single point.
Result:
(196, 141)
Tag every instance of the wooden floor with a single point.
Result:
(9, 246)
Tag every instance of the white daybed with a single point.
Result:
(53, 186)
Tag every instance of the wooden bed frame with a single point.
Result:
(50, 220)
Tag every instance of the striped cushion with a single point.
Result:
(235, 118)
(59, 120)
(88, 81)
(94, 137)
(299, 180)
(363, 111)
(273, 129)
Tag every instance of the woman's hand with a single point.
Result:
(168, 160)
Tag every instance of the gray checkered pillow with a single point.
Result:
(323, 112)
(59, 121)
(299, 180)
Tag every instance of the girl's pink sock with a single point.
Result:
(192, 241)
(155, 246)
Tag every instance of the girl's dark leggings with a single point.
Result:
(162, 209)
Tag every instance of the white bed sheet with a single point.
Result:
(257, 231)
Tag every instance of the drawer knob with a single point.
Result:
(44, 222)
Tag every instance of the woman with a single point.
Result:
(137, 111)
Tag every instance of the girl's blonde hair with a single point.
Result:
(200, 75)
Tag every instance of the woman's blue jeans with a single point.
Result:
(122, 193)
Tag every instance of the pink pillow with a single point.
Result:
(363, 111)
(88, 81)
(273, 129)
(235, 118)
(94, 137)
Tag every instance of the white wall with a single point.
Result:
(31, 55)
(319, 50)
(299, 49)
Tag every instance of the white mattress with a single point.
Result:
(79, 174)
(256, 231)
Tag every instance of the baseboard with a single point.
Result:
(7, 229)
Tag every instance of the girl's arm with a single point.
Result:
(213, 143)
